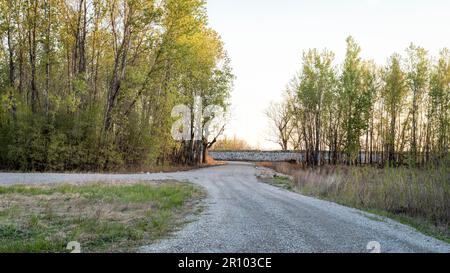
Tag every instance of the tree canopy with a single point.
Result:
(359, 112)
(90, 84)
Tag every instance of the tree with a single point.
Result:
(370, 95)
(280, 118)
(393, 96)
(417, 76)
(355, 99)
(439, 106)
(90, 84)
(317, 81)
(32, 16)
(385, 114)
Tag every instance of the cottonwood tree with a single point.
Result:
(371, 93)
(417, 76)
(438, 115)
(393, 96)
(316, 83)
(388, 114)
(355, 99)
(90, 84)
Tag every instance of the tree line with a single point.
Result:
(359, 112)
(90, 84)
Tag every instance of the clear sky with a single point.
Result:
(265, 40)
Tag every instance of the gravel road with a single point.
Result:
(244, 215)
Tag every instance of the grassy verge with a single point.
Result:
(102, 217)
(417, 197)
(279, 181)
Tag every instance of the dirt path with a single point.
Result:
(244, 215)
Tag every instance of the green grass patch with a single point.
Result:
(419, 223)
(279, 181)
(102, 217)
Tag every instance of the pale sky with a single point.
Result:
(265, 40)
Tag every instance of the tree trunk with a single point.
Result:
(47, 55)
(120, 64)
(414, 128)
(391, 144)
(317, 137)
(32, 54)
(11, 59)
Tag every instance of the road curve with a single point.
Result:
(244, 215)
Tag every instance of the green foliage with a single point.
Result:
(316, 84)
(91, 86)
(360, 113)
(354, 98)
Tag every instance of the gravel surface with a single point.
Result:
(244, 215)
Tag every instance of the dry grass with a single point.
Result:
(114, 217)
(231, 144)
(420, 197)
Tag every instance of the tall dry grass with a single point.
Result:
(419, 193)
